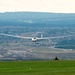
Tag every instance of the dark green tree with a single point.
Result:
(56, 58)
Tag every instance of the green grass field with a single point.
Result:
(65, 67)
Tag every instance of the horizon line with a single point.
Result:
(38, 12)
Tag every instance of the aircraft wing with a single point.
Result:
(43, 38)
(61, 36)
(54, 37)
(16, 36)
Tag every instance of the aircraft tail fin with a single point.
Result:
(41, 35)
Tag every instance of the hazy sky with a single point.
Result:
(67, 6)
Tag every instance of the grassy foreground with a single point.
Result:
(38, 68)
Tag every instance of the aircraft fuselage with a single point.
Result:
(34, 39)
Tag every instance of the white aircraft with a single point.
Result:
(34, 39)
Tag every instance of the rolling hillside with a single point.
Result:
(37, 19)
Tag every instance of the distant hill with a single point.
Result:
(37, 19)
